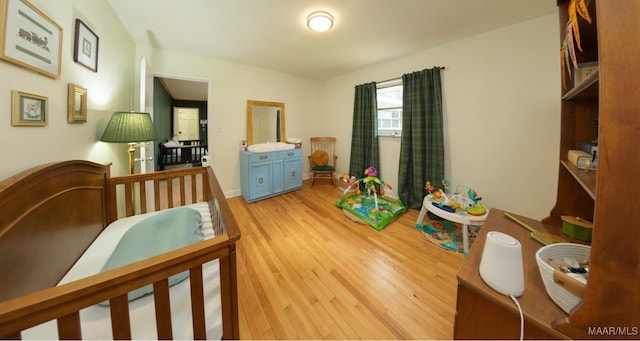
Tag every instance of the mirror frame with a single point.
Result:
(250, 105)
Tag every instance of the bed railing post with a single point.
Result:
(229, 296)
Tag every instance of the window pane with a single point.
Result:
(390, 109)
(390, 97)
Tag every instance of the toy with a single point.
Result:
(428, 186)
(456, 202)
(366, 205)
(371, 180)
(445, 184)
(473, 196)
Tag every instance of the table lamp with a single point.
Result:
(131, 128)
(501, 264)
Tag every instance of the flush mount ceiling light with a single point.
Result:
(320, 21)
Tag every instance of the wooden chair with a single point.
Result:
(323, 158)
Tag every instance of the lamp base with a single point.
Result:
(131, 151)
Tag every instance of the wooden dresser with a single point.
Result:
(483, 313)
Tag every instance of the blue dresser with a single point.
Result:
(263, 175)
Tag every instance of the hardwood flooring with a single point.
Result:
(306, 271)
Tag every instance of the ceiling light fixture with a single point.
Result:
(320, 21)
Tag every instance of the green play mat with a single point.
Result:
(363, 207)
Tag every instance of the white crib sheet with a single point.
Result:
(95, 320)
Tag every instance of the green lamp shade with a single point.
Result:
(129, 127)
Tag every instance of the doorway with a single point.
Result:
(170, 93)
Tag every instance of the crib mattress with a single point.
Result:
(95, 320)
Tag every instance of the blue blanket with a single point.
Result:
(163, 232)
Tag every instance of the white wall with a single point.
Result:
(231, 85)
(108, 90)
(502, 114)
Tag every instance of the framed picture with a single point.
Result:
(29, 38)
(85, 51)
(28, 109)
(77, 104)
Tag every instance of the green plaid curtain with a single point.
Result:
(422, 146)
(364, 136)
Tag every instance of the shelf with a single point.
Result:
(587, 89)
(603, 196)
(586, 179)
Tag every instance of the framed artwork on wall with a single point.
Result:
(77, 104)
(28, 109)
(30, 38)
(85, 50)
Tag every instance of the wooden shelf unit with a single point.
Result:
(608, 197)
(612, 97)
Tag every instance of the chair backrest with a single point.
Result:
(328, 144)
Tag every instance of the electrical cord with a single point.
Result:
(515, 300)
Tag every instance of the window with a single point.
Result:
(389, 95)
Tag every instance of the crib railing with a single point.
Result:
(63, 303)
(179, 187)
(130, 195)
(190, 153)
(149, 192)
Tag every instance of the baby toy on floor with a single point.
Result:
(365, 204)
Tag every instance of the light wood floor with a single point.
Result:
(306, 271)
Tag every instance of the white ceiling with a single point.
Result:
(272, 34)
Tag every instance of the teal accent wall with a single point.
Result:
(162, 112)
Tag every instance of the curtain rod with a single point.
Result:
(395, 78)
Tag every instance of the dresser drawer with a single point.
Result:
(258, 157)
(290, 153)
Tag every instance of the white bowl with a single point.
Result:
(561, 296)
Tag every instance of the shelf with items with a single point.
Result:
(580, 105)
(586, 179)
(607, 96)
(579, 43)
(575, 195)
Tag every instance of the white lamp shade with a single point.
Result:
(501, 264)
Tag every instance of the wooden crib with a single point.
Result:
(52, 213)
(190, 153)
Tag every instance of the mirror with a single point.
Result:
(265, 122)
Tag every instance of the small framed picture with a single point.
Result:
(85, 51)
(28, 109)
(29, 38)
(77, 104)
